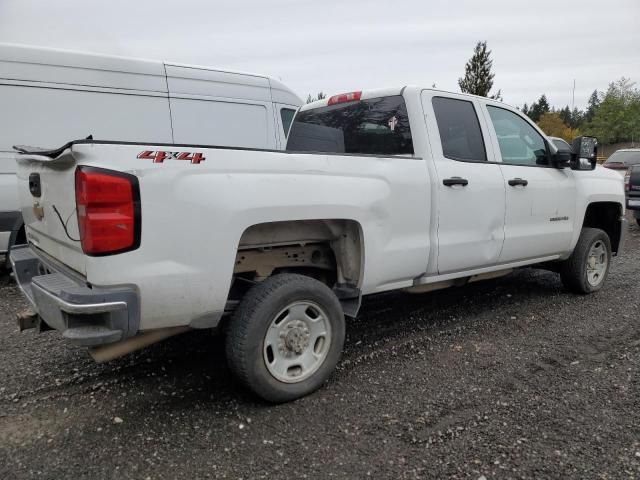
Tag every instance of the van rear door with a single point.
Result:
(211, 107)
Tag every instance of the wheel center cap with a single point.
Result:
(296, 340)
(592, 262)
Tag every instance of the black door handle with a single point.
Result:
(518, 181)
(450, 182)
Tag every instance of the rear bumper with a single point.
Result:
(85, 316)
(10, 223)
(633, 203)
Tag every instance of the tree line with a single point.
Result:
(612, 115)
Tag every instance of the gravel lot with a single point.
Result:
(511, 378)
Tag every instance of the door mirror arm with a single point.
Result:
(561, 159)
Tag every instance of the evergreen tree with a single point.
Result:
(577, 118)
(478, 78)
(565, 115)
(616, 116)
(592, 105)
(319, 96)
(539, 108)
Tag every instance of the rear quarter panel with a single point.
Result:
(193, 216)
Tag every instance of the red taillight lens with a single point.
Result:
(108, 206)
(345, 97)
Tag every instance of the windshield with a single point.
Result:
(626, 158)
(378, 126)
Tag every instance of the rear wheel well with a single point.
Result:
(329, 250)
(605, 216)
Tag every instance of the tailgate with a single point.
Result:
(46, 191)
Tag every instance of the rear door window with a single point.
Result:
(378, 126)
(459, 129)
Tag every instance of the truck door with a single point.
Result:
(540, 199)
(470, 188)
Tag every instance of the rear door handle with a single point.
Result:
(518, 181)
(450, 182)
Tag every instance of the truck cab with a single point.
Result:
(497, 192)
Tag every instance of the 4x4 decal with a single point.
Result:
(159, 156)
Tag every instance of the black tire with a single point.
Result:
(638, 221)
(573, 271)
(250, 322)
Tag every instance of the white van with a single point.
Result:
(50, 96)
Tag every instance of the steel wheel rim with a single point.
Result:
(597, 262)
(297, 342)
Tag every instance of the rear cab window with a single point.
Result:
(376, 126)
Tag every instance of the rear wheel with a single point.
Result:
(286, 336)
(586, 269)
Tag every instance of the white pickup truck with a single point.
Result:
(405, 188)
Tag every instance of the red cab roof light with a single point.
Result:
(344, 97)
(108, 209)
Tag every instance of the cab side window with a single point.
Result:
(459, 129)
(520, 143)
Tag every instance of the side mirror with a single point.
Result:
(584, 153)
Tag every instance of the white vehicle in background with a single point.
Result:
(48, 96)
(401, 188)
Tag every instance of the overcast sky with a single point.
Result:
(539, 46)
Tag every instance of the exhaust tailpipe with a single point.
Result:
(115, 350)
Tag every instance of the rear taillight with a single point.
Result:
(344, 97)
(108, 207)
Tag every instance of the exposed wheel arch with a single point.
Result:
(606, 216)
(330, 250)
(343, 237)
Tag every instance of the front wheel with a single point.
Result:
(286, 336)
(586, 269)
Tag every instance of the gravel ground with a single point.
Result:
(511, 378)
